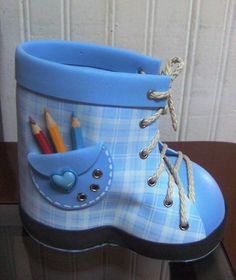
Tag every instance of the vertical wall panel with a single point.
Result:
(205, 74)
(10, 36)
(89, 21)
(225, 127)
(170, 36)
(197, 30)
(45, 19)
(130, 24)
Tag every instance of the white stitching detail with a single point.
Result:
(85, 204)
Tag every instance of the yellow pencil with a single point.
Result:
(54, 133)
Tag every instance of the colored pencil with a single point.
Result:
(76, 133)
(40, 137)
(54, 133)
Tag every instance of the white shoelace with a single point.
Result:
(172, 69)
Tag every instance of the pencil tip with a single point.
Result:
(75, 120)
(45, 110)
(31, 120)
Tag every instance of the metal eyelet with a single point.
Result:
(149, 94)
(168, 203)
(97, 173)
(165, 109)
(142, 124)
(94, 188)
(184, 226)
(81, 197)
(143, 154)
(140, 70)
(151, 182)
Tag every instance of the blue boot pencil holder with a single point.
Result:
(114, 182)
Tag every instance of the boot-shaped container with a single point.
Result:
(92, 169)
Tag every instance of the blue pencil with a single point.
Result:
(76, 133)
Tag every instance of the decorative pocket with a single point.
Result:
(75, 179)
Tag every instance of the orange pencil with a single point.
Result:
(54, 133)
(40, 137)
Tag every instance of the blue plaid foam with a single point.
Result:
(130, 204)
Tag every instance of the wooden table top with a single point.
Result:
(219, 158)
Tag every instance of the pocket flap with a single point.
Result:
(75, 179)
(78, 160)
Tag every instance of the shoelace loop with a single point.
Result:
(172, 69)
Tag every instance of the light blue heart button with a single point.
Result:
(65, 181)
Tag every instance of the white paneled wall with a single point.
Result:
(203, 32)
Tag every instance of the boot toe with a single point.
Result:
(209, 199)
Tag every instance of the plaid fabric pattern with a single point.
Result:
(130, 204)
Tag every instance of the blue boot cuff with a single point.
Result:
(89, 74)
